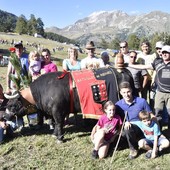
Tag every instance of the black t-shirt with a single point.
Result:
(162, 75)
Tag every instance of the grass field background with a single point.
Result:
(33, 149)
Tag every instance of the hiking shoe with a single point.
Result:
(160, 152)
(133, 153)
(94, 154)
(148, 154)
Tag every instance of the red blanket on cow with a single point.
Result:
(85, 83)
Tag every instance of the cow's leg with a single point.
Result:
(60, 135)
(40, 118)
(58, 129)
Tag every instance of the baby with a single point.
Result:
(35, 64)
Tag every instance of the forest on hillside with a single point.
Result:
(21, 25)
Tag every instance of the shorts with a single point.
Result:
(161, 140)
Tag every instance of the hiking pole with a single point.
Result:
(119, 137)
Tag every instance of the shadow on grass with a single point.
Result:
(80, 125)
(122, 144)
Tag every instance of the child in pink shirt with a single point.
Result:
(105, 131)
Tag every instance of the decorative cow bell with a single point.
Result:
(119, 61)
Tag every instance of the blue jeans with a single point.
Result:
(1, 134)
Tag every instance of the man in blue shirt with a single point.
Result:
(129, 107)
(11, 70)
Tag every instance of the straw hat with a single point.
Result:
(90, 45)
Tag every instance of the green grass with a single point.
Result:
(36, 150)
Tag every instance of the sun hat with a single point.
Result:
(159, 44)
(18, 45)
(166, 48)
(90, 45)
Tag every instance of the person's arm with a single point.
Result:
(9, 71)
(101, 63)
(54, 68)
(140, 66)
(155, 144)
(127, 125)
(94, 130)
(65, 65)
(153, 117)
(153, 78)
(145, 80)
(3, 124)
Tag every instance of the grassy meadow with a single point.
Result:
(33, 149)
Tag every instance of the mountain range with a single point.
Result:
(115, 24)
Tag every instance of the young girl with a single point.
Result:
(35, 64)
(154, 141)
(105, 131)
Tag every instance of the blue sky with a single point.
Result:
(61, 13)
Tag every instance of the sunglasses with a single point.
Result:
(90, 49)
(158, 48)
(123, 47)
(165, 52)
(133, 57)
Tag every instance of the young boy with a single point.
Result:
(154, 141)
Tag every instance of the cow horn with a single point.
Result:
(14, 95)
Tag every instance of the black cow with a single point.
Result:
(51, 95)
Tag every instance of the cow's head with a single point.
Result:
(14, 105)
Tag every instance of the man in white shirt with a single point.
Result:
(91, 61)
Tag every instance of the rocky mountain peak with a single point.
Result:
(110, 24)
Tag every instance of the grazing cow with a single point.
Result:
(51, 94)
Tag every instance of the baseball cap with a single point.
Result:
(159, 44)
(166, 48)
(104, 53)
(18, 45)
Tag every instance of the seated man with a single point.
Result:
(129, 107)
(6, 129)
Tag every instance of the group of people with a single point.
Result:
(141, 122)
(140, 130)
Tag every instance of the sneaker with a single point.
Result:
(133, 153)
(160, 153)
(148, 154)
(94, 154)
(51, 127)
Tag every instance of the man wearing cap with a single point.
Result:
(162, 68)
(157, 54)
(91, 61)
(105, 57)
(24, 63)
(158, 48)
